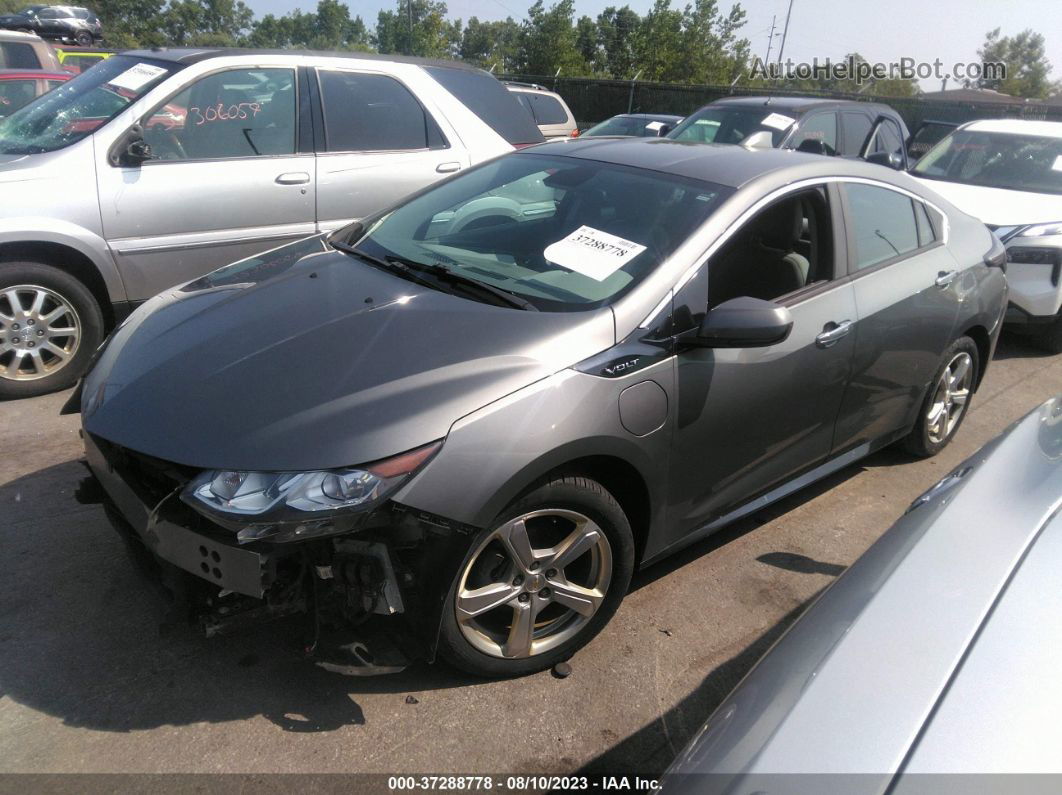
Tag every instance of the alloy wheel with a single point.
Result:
(950, 398)
(533, 583)
(39, 332)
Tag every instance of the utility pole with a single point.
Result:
(785, 32)
(630, 97)
(409, 13)
(770, 40)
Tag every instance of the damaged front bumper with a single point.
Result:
(393, 561)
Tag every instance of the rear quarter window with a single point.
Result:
(547, 110)
(488, 99)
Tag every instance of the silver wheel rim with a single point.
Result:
(39, 332)
(950, 398)
(516, 600)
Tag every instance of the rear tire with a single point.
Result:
(947, 401)
(564, 598)
(84, 38)
(44, 347)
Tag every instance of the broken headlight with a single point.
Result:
(292, 505)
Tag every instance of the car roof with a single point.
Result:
(17, 35)
(647, 116)
(48, 74)
(1046, 129)
(722, 164)
(794, 104)
(189, 55)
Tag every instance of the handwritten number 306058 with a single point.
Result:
(243, 110)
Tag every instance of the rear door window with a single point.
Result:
(490, 100)
(16, 55)
(372, 113)
(883, 224)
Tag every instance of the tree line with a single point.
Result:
(699, 42)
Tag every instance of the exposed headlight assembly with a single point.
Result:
(290, 506)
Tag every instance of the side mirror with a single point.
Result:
(130, 149)
(742, 323)
(888, 159)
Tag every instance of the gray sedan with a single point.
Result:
(938, 651)
(488, 405)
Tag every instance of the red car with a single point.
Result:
(19, 86)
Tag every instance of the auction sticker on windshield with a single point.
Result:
(592, 252)
(137, 76)
(778, 121)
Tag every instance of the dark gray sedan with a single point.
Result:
(485, 407)
(938, 651)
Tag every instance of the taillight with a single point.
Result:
(575, 133)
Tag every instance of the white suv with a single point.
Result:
(154, 167)
(1008, 173)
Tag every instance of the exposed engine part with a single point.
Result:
(365, 569)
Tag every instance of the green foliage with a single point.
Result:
(10, 6)
(418, 27)
(492, 45)
(1026, 62)
(549, 42)
(330, 28)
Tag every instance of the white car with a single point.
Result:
(1008, 173)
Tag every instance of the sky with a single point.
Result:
(951, 30)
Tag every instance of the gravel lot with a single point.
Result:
(88, 683)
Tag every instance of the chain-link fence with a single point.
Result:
(593, 100)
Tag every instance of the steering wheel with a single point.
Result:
(170, 139)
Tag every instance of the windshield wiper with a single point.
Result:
(444, 274)
(413, 270)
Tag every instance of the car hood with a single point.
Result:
(999, 206)
(307, 358)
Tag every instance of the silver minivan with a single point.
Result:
(155, 167)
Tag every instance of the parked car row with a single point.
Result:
(416, 299)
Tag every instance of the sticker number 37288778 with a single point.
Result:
(219, 112)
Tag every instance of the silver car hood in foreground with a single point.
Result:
(938, 651)
(307, 358)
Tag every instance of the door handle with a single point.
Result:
(944, 278)
(448, 168)
(293, 178)
(830, 336)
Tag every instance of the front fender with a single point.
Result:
(493, 454)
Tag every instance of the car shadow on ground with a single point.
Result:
(80, 635)
(647, 752)
(1015, 345)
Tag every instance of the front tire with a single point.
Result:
(539, 583)
(947, 401)
(50, 325)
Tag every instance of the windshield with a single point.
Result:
(732, 125)
(627, 125)
(80, 106)
(562, 233)
(996, 160)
